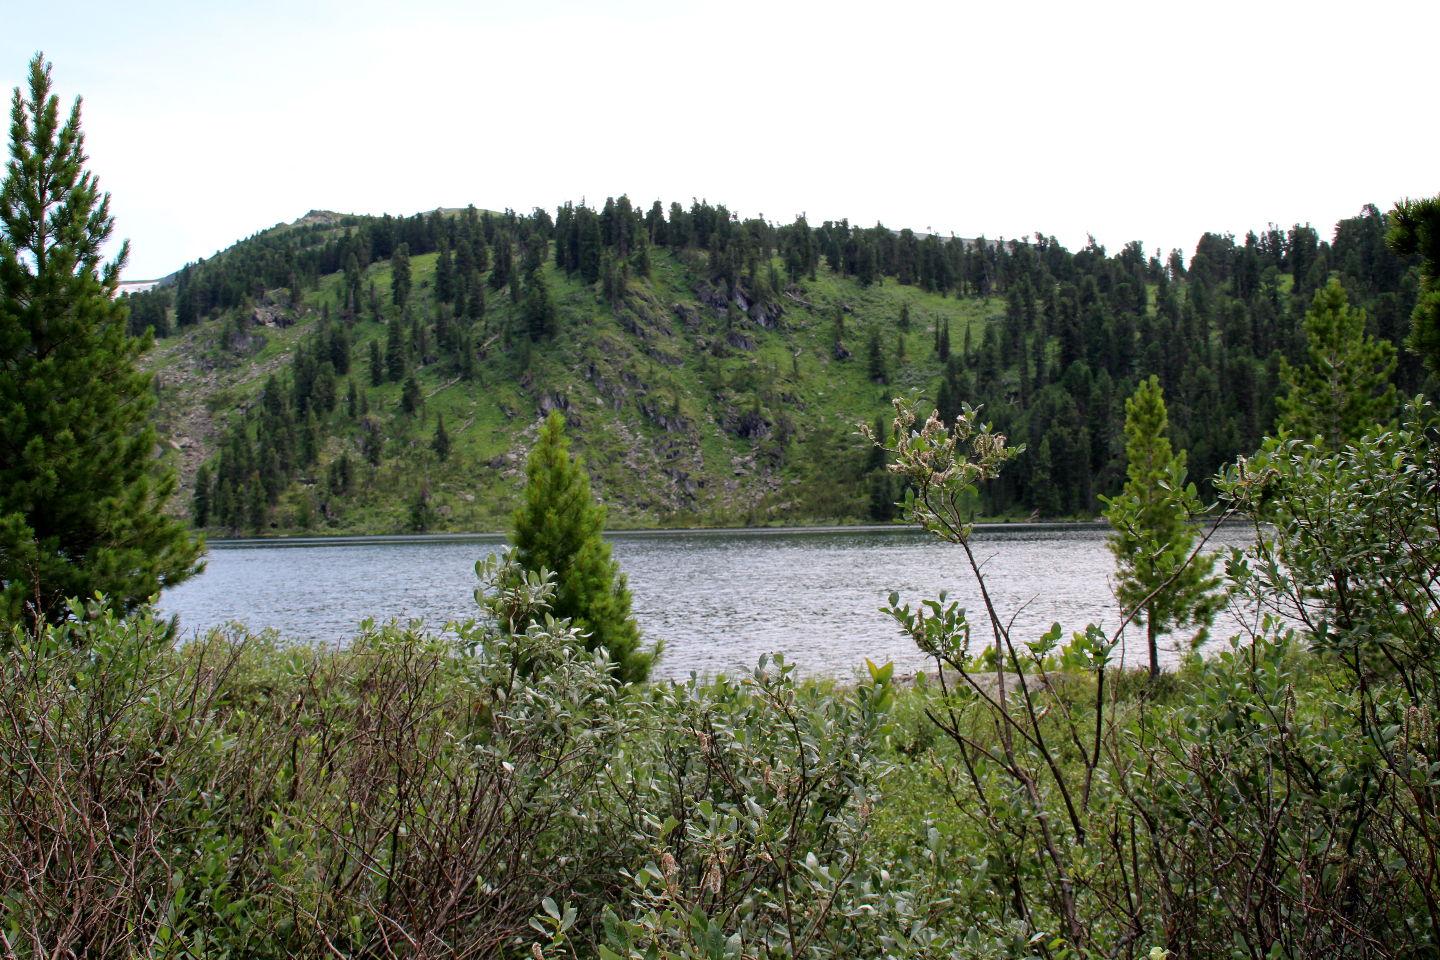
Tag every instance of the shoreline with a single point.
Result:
(344, 539)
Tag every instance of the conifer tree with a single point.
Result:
(441, 443)
(410, 397)
(444, 276)
(257, 509)
(591, 245)
(270, 476)
(475, 303)
(422, 514)
(1152, 538)
(540, 314)
(201, 501)
(869, 270)
(400, 275)
(559, 528)
(81, 501)
(372, 445)
(1042, 487)
(377, 365)
(394, 350)
(504, 263)
(309, 437)
(339, 349)
(466, 351)
(875, 359)
(224, 507)
(1415, 231)
(1344, 392)
(640, 261)
(346, 476)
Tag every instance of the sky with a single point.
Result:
(1125, 121)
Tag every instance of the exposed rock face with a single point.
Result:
(553, 401)
(752, 425)
(766, 315)
(841, 351)
(712, 297)
(688, 313)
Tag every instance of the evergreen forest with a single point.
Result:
(382, 374)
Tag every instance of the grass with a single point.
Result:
(628, 451)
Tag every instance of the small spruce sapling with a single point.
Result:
(560, 528)
(1159, 582)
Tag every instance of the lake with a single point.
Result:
(719, 598)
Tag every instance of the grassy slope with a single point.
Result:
(618, 383)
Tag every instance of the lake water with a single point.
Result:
(719, 598)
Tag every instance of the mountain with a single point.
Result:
(711, 370)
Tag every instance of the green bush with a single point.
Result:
(493, 790)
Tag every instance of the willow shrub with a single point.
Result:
(1283, 803)
(415, 794)
(492, 790)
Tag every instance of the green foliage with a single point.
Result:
(559, 528)
(1310, 775)
(1053, 341)
(422, 511)
(200, 502)
(539, 312)
(189, 809)
(440, 443)
(1158, 580)
(875, 359)
(377, 365)
(81, 502)
(411, 399)
(395, 364)
(400, 281)
(1415, 231)
(1345, 391)
(1026, 800)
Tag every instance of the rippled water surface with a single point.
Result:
(719, 598)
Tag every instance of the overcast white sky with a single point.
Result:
(1146, 121)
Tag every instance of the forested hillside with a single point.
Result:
(380, 374)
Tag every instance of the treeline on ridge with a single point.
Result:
(1072, 332)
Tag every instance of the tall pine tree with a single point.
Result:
(400, 275)
(81, 501)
